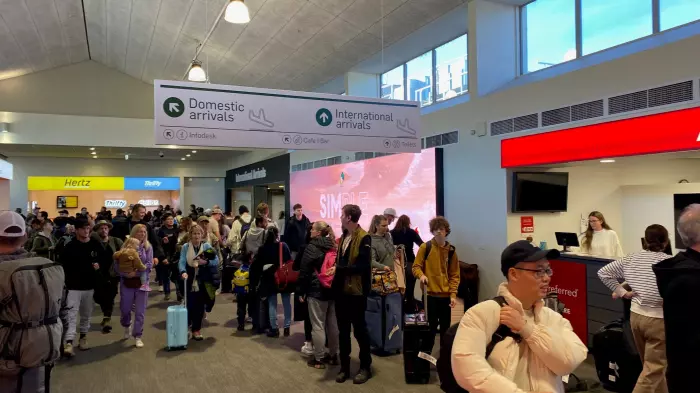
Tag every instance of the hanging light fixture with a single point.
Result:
(197, 73)
(237, 12)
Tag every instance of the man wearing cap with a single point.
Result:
(545, 347)
(107, 284)
(390, 214)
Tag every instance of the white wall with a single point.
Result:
(205, 191)
(34, 166)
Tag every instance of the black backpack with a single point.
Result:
(429, 246)
(245, 226)
(448, 383)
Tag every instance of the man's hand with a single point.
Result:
(453, 302)
(155, 261)
(166, 240)
(330, 271)
(96, 265)
(424, 279)
(301, 299)
(387, 269)
(131, 275)
(184, 276)
(511, 318)
(165, 261)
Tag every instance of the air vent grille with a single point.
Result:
(502, 127)
(671, 94)
(628, 102)
(556, 116)
(527, 122)
(587, 110)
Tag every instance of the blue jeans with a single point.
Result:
(286, 304)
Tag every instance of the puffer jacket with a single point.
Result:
(551, 346)
(383, 252)
(311, 262)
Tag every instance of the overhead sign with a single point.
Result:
(151, 183)
(5, 170)
(273, 170)
(87, 183)
(115, 204)
(149, 202)
(651, 134)
(193, 114)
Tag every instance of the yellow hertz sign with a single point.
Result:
(77, 183)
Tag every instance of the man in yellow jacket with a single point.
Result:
(437, 268)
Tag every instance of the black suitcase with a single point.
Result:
(416, 370)
(617, 360)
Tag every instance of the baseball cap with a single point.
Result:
(390, 212)
(81, 223)
(100, 223)
(217, 211)
(203, 218)
(12, 224)
(523, 251)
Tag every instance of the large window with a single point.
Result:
(435, 75)
(549, 29)
(451, 69)
(419, 79)
(392, 84)
(554, 31)
(678, 12)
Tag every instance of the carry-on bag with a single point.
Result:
(416, 331)
(176, 325)
(384, 322)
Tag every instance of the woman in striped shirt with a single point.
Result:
(646, 315)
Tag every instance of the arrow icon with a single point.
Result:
(324, 117)
(174, 107)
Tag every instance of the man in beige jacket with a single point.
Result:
(549, 348)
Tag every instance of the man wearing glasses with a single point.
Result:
(540, 347)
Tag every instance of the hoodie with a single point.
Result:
(235, 236)
(311, 262)
(295, 233)
(383, 252)
(678, 279)
(253, 240)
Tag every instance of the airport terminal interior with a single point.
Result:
(567, 125)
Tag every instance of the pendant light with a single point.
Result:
(197, 73)
(237, 12)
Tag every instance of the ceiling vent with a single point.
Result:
(671, 94)
(587, 110)
(556, 116)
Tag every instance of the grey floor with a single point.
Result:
(226, 361)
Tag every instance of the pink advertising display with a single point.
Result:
(405, 182)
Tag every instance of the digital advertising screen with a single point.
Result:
(405, 182)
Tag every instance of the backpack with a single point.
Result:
(328, 262)
(31, 295)
(241, 280)
(429, 246)
(245, 226)
(448, 383)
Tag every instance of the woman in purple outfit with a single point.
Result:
(130, 294)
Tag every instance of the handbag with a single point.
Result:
(384, 282)
(285, 275)
(132, 282)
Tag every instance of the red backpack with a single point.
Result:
(328, 262)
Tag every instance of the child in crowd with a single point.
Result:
(129, 261)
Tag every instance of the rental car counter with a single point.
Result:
(588, 302)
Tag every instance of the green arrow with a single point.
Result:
(324, 117)
(174, 107)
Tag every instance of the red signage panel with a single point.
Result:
(569, 282)
(660, 133)
(527, 224)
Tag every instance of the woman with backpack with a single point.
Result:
(314, 288)
(266, 264)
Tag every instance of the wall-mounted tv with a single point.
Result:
(67, 202)
(540, 192)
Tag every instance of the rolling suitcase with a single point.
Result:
(176, 327)
(384, 325)
(416, 331)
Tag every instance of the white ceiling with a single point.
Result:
(289, 44)
(17, 150)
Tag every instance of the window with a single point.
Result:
(606, 23)
(451, 78)
(392, 84)
(678, 12)
(419, 79)
(549, 31)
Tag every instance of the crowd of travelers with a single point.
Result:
(513, 344)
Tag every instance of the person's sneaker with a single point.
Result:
(342, 376)
(83, 344)
(273, 333)
(362, 376)
(241, 328)
(105, 321)
(308, 348)
(316, 364)
(167, 297)
(160, 288)
(197, 336)
(218, 292)
(286, 332)
(139, 343)
(249, 320)
(127, 332)
(206, 316)
(145, 288)
(106, 325)
(68, 350)
(330, 359)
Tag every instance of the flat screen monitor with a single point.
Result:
(67, 202)
(540, 192)
(405, 182)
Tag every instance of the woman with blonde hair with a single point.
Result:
(314, 288)
(131, 295)
(599, 239)
(383, 250)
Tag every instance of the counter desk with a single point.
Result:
(588, 303)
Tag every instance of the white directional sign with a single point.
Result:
(195, 114)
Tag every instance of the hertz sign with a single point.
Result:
(75, 183)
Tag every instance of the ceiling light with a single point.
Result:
(93, 153)
(281, 186)
(92, 148)
(126, 157)
(194, 151)
(237, 12)
(197, 73)
(183, 158)
(94, 156)
(607, 161)
(188, 155)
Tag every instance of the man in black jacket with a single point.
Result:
(123, 228)
(351, 286)
(678, 280)
(295, 233)
(107, 285)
